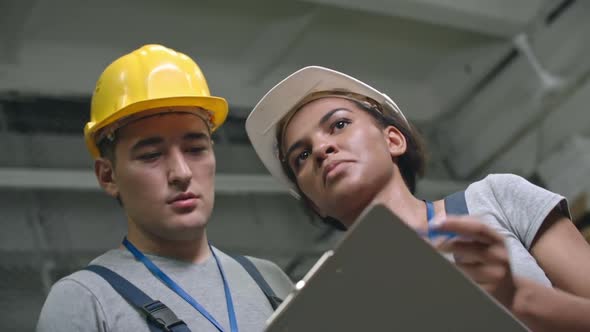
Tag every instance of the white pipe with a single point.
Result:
(549, 81)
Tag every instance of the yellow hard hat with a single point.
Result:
(150, 77)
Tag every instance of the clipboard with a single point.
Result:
(382, 276)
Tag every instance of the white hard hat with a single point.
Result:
(261, 125)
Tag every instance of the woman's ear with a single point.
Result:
(105, 174)
(396, 141)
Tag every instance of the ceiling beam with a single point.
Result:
(282, 34)
(500, 18)
(82, 180)
(72, 179)
(519, 99)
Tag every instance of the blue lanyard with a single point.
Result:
(182, 293)
(429, 211)
(429, 216)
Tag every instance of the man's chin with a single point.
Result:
(193, 224)
(183, 233)
(187, 223)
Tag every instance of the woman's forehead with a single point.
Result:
(327, 102)
(311, 113)
(312, 116)
(314, 110)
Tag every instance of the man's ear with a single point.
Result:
(105, 174)
(396, 141)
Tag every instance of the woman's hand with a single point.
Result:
(481, 253)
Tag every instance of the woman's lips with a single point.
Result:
(333, 169)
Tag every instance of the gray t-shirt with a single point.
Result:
(516, 209)
(84, 301)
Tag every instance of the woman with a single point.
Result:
(341, 145)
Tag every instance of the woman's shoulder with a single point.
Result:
(513, 193)
(501, 184)
(498, 180)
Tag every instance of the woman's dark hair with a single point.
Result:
(411, 164)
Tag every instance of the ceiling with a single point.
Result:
(494, 86)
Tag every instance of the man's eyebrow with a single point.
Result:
(195, 136)
(154, 140)
(323, 120)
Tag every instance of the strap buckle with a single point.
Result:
(161, 315)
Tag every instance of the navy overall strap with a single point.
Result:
(247, 264)
(159, 316)
(455, 204)
(176, 288)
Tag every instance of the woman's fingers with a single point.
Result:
(475, 252)
(480, 252)
(467, 227)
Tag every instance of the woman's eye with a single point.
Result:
(340, 124)
(300, 158)
(303, 155)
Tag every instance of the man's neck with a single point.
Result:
(195, 249)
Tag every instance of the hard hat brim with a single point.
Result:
(216, 105)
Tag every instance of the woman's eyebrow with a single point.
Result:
(328, 115)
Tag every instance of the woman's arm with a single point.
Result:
(564, 255)
(550, 309)
(559, 248)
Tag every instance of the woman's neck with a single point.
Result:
(398, 198)
(402, 202)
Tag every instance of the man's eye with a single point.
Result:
(197, 149)
(149, 156)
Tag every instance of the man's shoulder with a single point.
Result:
(85, 281)
(85, 301)
(75, 300)
(265, 265)
(274, 276)
(280, 283)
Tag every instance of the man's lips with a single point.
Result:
(182, 197)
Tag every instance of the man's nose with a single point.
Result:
(179, 171)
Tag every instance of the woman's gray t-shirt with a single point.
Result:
(516, 209)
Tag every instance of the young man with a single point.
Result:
(150, 135)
